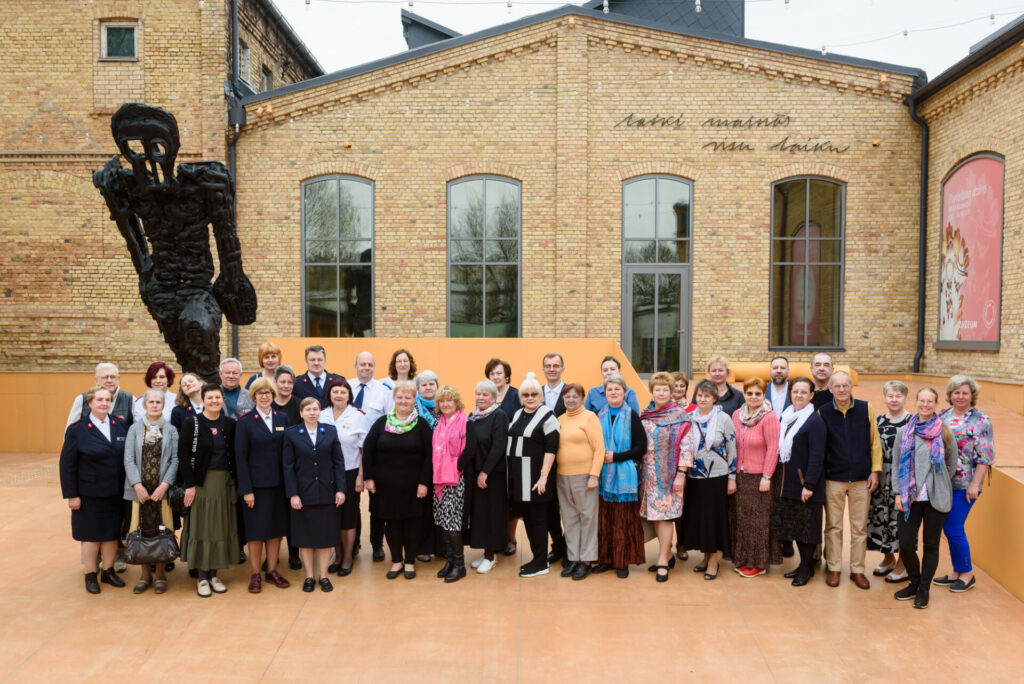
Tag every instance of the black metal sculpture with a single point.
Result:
(172, 212)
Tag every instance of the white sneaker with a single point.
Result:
(203, 588)
(478, 561)
(486, 565)
(217, 586)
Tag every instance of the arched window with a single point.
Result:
(808, 228)
(484, 231)
(337, 250)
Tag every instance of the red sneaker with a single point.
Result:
(741, 569)
(751, 572)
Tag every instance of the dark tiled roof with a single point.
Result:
(420, 31)
(725, 17)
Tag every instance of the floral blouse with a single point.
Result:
(973, 434)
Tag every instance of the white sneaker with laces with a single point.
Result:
(486, 565)
(478, 561)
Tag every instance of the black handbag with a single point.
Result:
(142, 550)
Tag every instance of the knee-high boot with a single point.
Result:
(458, 569)
(446, 540)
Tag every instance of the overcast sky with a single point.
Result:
(344, 33)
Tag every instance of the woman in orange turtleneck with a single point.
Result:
(580, 457)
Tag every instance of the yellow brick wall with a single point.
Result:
(540, 105)
(980, 113)
(269, 48)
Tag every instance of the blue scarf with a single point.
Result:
(618, 479)
(425, 409)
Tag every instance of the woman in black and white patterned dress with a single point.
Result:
(883, 513)
(532, 445)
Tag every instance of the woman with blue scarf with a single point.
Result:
(427, 383)
(620, 537)
(923, 482)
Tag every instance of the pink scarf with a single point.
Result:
(449, 443)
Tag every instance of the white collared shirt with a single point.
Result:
(313, 378)
(268, 419)
(551, 395)
(377, 398)
(312, 434)
(352, 428)
(779, 398)
(101, 425)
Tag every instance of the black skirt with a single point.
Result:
(316, 527)
(98, 520)
(268, 519)
(350, 509)
(796, 521)
(489, 514)
(706, 514)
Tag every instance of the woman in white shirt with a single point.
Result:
(351, 425)
(159, 376)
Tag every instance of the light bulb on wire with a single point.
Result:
(824, 50)
(605, 8)
(696, 7)
(509, 6)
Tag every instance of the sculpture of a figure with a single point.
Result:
(164, 219)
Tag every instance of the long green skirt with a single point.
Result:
(209, 534)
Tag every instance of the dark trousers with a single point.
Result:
(376, 527)
(921, 512)
(554, 527)
(536, 516)
(403, 539)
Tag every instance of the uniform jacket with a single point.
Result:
(90, 464)
(258, 450)
(313, 473)
(304, 387)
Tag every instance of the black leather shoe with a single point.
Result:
(601, 567)
(378, 554)
(622, 573)
(671, 564)
(295, 563)
(567, 572)
(801, 580)
(333, 567)
(511, 548)
(110, 577)
(555, 556)
(309, 584)
(91, 584)
(658, 575)
(325, 585)
(581, 572)
(344, 572)
(792, 573)
(409, 574)
(392, 574)
(446, 568)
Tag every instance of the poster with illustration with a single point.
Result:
(970, 271)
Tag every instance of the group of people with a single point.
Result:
(736, 475)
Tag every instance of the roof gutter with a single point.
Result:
(922, 239)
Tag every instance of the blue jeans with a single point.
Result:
(959, 548)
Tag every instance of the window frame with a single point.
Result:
(657, 250)
(483, 262)
(338, 263)
(840, 344)
(104, 25)
(245, 63)
(266, 78)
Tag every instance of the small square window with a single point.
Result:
(119, 41)
(266, 80)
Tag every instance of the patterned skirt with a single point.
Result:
(449, 508)
(753, 543)
(882, 515)
(620, 537)
(798, 521)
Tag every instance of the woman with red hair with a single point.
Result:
(160, 377)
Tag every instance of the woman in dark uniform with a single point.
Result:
(189, 401)
(265, 511)
(397, 466)
(206, 461)
(530, 449)
(91, 476)
(488, 427)
(314, 480)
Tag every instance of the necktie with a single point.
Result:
(358, 403)
(319, 389)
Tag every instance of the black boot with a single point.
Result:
(458, 570)
(446, 541)
(91, 584)
(110, 577)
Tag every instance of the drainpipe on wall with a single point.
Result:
(922, 246)
(236, 119)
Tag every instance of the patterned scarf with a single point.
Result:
(154, 430)
(796, 419)
(619, 480)
(678, 427)
(425, 407)
(449, 443)
(751, 419)
(400, 427)
(477, 414)
(931, 430)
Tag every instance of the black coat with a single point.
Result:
(485, 443)
(193, 474)
(809, 458)
(90, 464)
(258, 451)
(181, 415)
(313, 473)
(398, 464)
(304, 387)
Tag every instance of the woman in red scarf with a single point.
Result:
(449, 460)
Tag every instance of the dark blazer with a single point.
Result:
(181, 414)
(488, 438)
(809, 458)
(192, 476)
(511, 403)
(90, 464)
(313, 473)
(559, 405)
(258, 450)
(398, 464)
(768, 396)
(304, 387)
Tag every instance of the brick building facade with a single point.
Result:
(786, 167)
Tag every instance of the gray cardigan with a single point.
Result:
(133, 457)
(940, 484)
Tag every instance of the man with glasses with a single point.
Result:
(554, 365)
(236, 401)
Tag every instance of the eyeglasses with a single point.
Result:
(530, 394)
(264, 393)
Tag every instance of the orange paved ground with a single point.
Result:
(490, 628)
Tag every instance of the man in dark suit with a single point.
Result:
(778, 389)
(313, 382)
(553, 366)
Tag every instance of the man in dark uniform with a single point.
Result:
(313, 382)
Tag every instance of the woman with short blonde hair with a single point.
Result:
(268, 357)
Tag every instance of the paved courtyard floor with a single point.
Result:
(488, 628)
